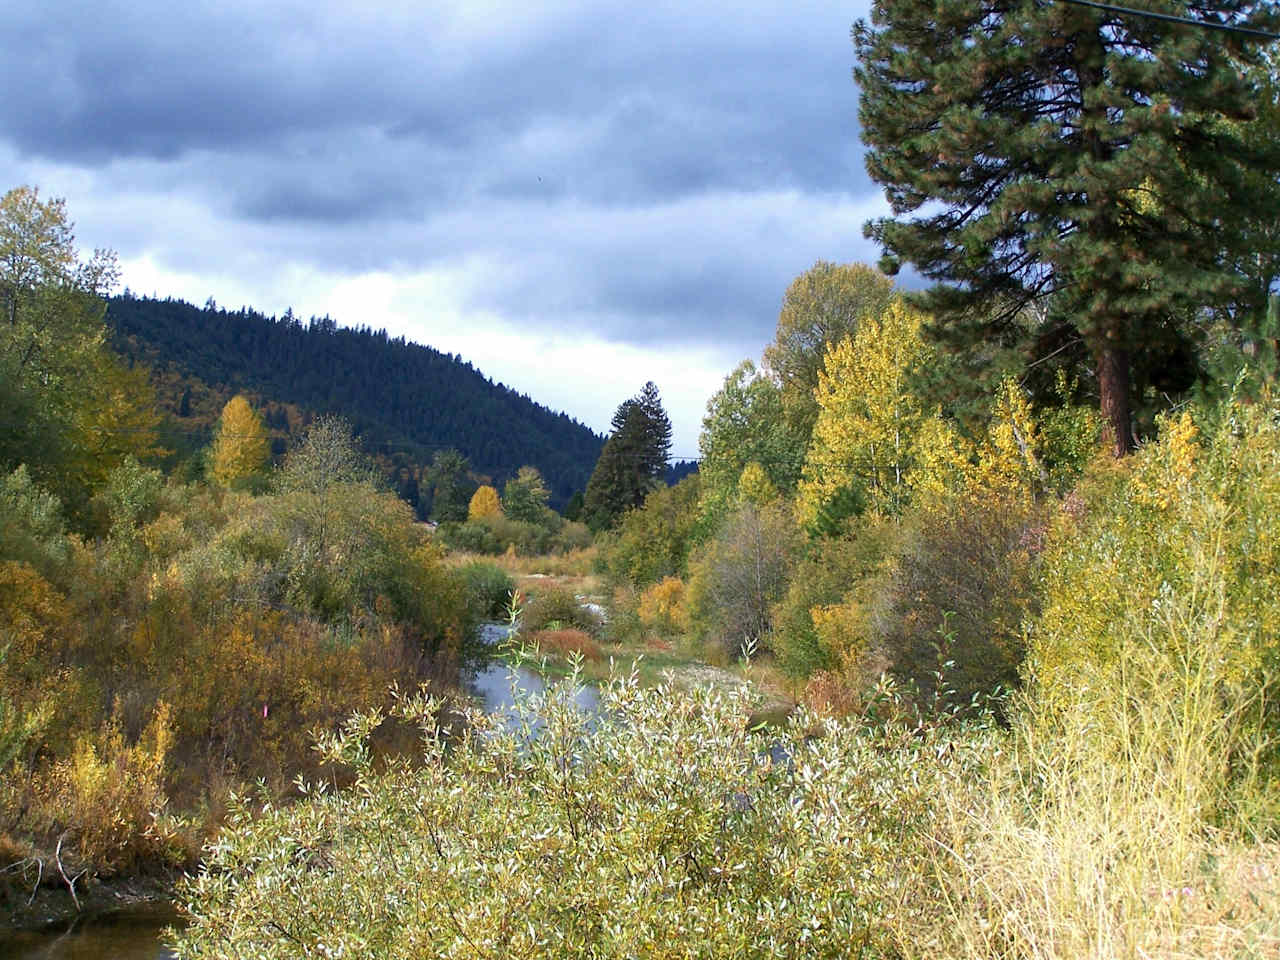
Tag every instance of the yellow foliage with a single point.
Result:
(754, 486)
(662, 606)
(1009, 459)
(108, 794)
(240, 448)
(943, 458)
(484, 503)
(867, 414)
(839, 627)
(1169, 469)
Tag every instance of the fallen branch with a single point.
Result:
(69, 881)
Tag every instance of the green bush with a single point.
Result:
(843, 570)
(556, 607)
(653, 542)
(31, 526)
(469, 537)
(489, 589)
(660, 827)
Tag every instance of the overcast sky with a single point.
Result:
(576, 197)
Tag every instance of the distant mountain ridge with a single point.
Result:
(404, 400)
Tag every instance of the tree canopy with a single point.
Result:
(72, 412)
(240, 448)
(821, 307)
(634, 459)
(1093, 163)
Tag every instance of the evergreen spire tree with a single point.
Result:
(1046, 154)
(634, 459)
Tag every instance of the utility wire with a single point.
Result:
(1171, 18)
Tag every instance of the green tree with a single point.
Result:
(821, 307)
(1050, 154)
(653, 542)
(633, 462)
(745, 423)
(452, 486)
(72, 412)
(319, 473)
(240, 448)
(524, 496)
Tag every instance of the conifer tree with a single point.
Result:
(241, 448)
(634, 459)
(1049, 154)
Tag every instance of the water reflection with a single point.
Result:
(492, 682)
(131, 934)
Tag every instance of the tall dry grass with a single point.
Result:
(1132, 811)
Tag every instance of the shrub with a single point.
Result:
(735, 579)
(557, 608)
(31, 525)
(966, 577)
(662, 607)
(108, 796)
(489, 589)
(846, 572)
(470, 537)
(566, 643)
(1192, 527)
(653, 541)
(1125, 818)
(659, 827)
(572, 537)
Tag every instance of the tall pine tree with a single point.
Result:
(633, 462)
(1086, 162)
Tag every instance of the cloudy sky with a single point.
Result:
(575, 196)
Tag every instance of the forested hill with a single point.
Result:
(405, 401)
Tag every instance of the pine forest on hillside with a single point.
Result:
(405, 402)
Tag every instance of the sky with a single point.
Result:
(575, 197)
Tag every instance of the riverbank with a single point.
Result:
(50, 904)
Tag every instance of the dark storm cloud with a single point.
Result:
(620, 166)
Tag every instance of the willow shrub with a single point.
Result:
(663, 826)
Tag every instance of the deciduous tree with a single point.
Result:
(868, 416)
(745, 423)
(524, 496)
(821, 307)
(484, 503)
(71, 411)
(240, 448)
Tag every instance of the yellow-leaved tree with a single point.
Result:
(240, 448)
(864, 438)
(484, 503)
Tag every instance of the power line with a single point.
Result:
(1171, 18)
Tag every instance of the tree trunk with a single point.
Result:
(1113, 392)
